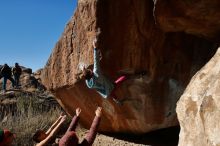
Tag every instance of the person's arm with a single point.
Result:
(90, 136)
(52, 133)
(2, 69)
(74, 121)
(12, 70)
(96, 57)
(54, 124)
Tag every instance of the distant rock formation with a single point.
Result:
(28, 80)
(134, 36)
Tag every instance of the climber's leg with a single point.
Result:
(115, 98)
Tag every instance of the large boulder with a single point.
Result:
(130, 41)
(198, 108)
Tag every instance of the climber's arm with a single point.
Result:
(96, 57)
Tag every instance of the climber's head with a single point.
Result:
(87, 73)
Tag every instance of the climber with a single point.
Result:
(6, 137)
(16, 71)
(44, 138)
(70, 138)
(6, 74)
(96, 80)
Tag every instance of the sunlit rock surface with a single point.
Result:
(198, 108)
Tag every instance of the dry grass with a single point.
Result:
(29, 117)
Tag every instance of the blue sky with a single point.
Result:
(29, 29)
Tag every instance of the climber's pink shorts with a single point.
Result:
(120, 80)
(117, 83)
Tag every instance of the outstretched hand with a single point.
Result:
(63, 118)
(98, 112)
(61, 115)
(78, 111)
(94, 43)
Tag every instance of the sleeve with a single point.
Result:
(90, 136)
(96, 68)
(73, 124)
(90, 83)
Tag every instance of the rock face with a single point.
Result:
(130, 41)
(197, 17)
(198, 108)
